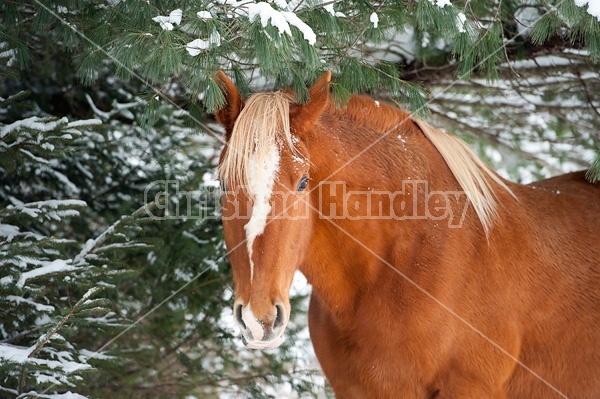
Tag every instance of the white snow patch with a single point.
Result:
(460, 22)
(374, 18)
(425, 39)
(493, 154)
(38, 306)
(279, 19)
(56, 266)
(167, 22)
(281, 4)
(9, 231)
(65, 395)
(204, 15)
(537, 120)
(329, 8)
(197, 46)
(441, 3)
(20, 354)
(86, 122)
(266, 12)
(261, 179)
(307, 32)
(16, 354)
(33, 123)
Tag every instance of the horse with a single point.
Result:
(432, 276)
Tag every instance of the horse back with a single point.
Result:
(573, 183)
(564, 213)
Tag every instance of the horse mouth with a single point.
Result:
(273, 343)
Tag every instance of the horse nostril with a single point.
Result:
(238, 316)
(280, 317)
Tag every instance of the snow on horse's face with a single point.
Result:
(266, 203)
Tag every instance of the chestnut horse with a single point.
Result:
(432, 277)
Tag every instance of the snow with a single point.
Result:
(9, 231)
(282, 20)
(261, 179)
(328, 6)
(57, 266)
(97, 111)
(89, 293)
(541, 61)
(460, 22)
(33, 123)
(167, 22)
(33, 157)
(267, 13)
(86, 122)
(91, 244)
(374, 18)
(15, 354)
(537, 120)
(204, 15)
(281, 4)
(306, 30)
(526, 17)
(441, 3)
(65, 395)
(6, 280)
(593, 7)
(38, 306)
(34, 209)
(70, 188)
(197, 46)
(493, 154)
(212, 264)
(47, 146)
(22, 355)
(10, 54)
(400, 48)
(86, 354)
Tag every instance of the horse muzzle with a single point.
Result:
(261, 332)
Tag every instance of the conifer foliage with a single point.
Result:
(110, 283)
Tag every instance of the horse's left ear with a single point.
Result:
(229, 113)
(303, 117)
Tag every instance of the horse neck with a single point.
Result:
(346, 256)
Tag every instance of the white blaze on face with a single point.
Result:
(261, 179)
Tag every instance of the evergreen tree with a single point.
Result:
(109, 283)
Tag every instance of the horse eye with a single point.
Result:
(303, 183)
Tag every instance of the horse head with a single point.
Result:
(267, 219)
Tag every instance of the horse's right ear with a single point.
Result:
(234, 103)
(305, 116)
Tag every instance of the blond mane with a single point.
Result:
(472, 174)
(264, 119)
